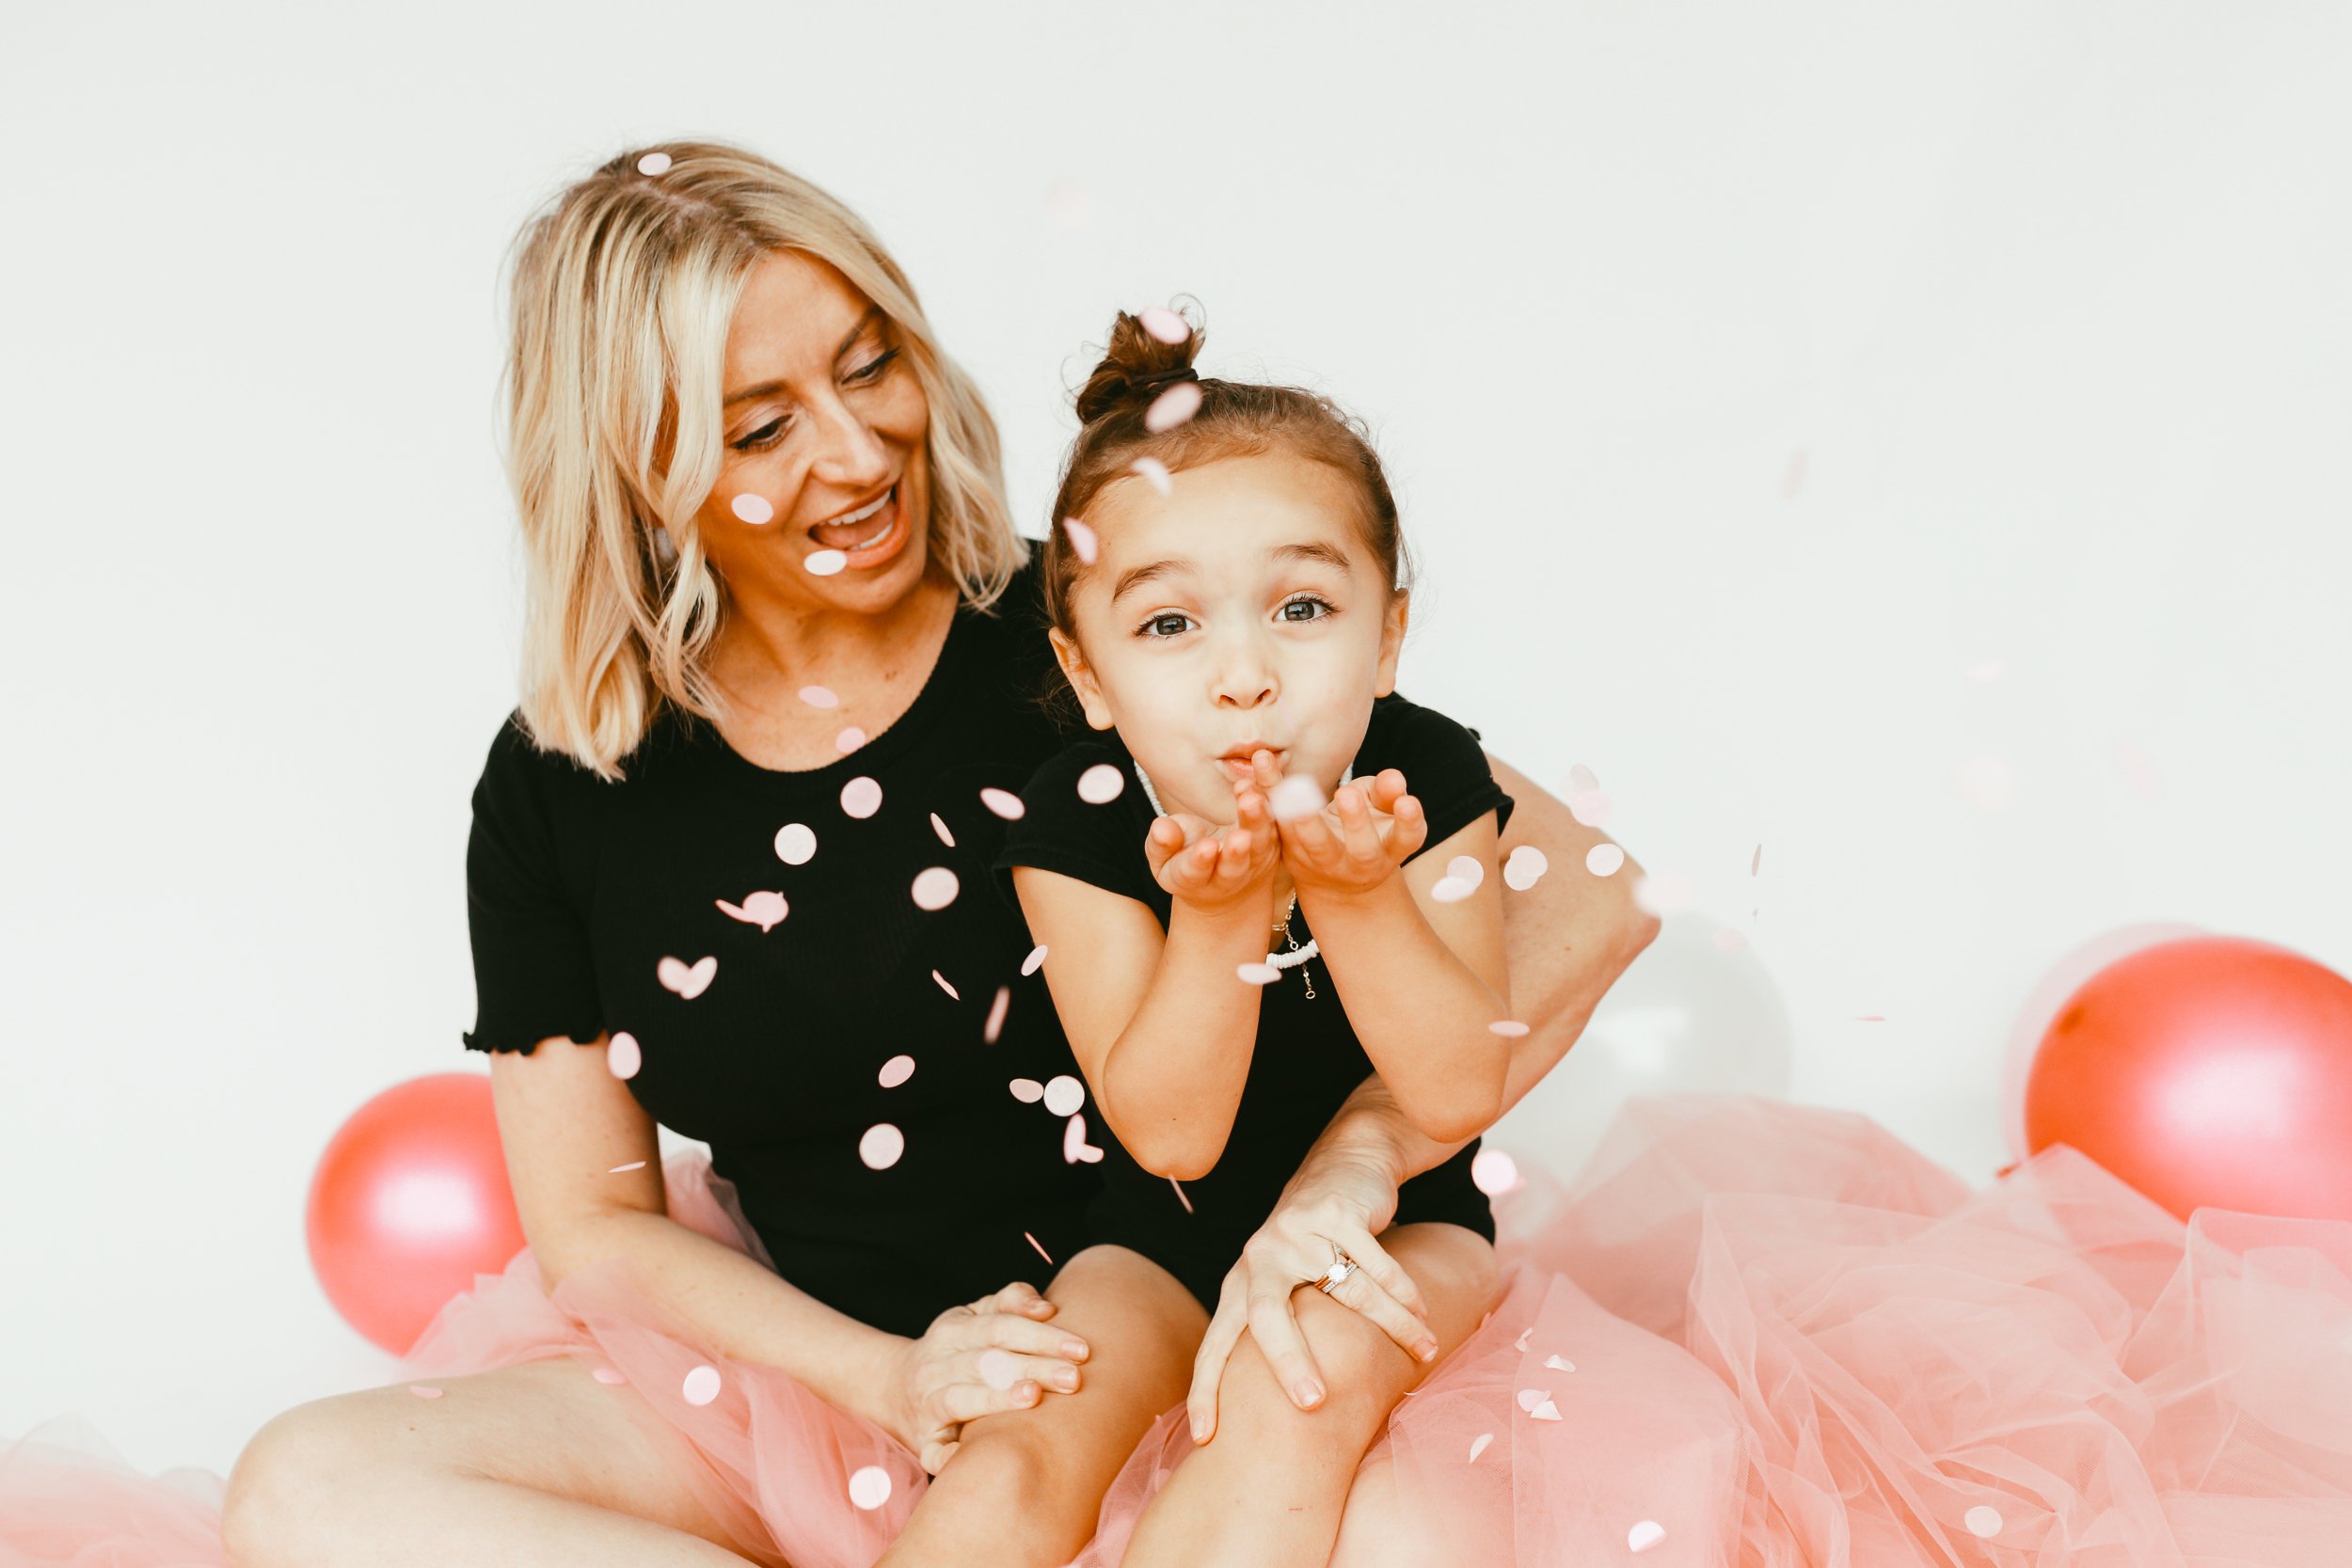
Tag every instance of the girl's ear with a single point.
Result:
(1081, 678)
(1392, 642)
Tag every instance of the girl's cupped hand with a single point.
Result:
(1355, 841)
(1216, 867)
(943, 1378)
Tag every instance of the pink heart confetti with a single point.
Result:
(762, 909)
(1294, 798)
(825, 563)
(1028, 1090)
(882, 1146)
(1155, 474)
(1041, 1251)
(1525, 868)
(998, 1370)
(701, 1385)
(861, 797)
(1100, 784)
(1180, 403)
(795, 844)
(940, 829)
(607, 1375)
(1081, 539)
(753, 509)
(1642, 1537)
(952, 993)
(1493, 1172)
(1004, 802)
(1075, 1147)
(1451, 890)
(1559, 1363)
(633, 1164)
(1258, 973)
(848, 741)
(621, 1056)
(423, 1392)
(1165, 325)
(1064, 1094)
(1603, 859)
(870, 1487)
(1663, 893)
(996, 1009)
(935, 888)
(1478, 1445)
(1509, 1028)
(1037, 956)
(896, 1071)
(688, 980)
(819, 696)
(1590, 807)
(654, 164)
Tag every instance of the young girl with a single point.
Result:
(1267, 877)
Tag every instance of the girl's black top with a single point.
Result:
(600, 906)
(1307, 1059)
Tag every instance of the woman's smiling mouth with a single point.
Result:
(859, 530)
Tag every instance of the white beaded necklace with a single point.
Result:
(1296, 955)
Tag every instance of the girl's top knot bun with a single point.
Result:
(1140, 364)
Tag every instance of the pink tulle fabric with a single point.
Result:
(1771, 1336)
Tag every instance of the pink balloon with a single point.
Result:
(2208, 1073)
(408, 1203)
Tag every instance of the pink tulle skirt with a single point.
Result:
(1749, 1334)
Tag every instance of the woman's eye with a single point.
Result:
(1314, 609)
(761, 439)
(1170, 625)
(872, 369)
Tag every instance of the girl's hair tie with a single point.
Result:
(1161, 378)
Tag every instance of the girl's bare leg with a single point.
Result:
(518, 1467)
(1024, 1487)
(1269, 1487)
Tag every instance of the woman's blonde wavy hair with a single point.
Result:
(623, 289)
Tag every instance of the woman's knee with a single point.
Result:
(289, 1484)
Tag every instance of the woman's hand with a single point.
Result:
(1342, 1201)
(1356, 841)
(943, 1378)
(1215, 868)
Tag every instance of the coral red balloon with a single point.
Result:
(2208, 1073)
(408, 1203)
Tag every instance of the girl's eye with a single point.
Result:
(872, 369)
(1164, 626)
(1318, 609)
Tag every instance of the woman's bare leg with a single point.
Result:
(1024, 1486)
(518, 1467)
(1269, 1487)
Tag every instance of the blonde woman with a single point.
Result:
(728, 873)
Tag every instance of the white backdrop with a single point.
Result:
(1909, 439)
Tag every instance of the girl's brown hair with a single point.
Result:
(1236, 419)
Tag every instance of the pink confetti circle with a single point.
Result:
(896, 1071)
(1155, 474)
(1258, 975)
(701, 1385)
(940, 829)
(1663, 893)
(1180, 403)
(819, 696)
(1081, 539)
(1037, 956)
(1100, 784)
(607, 1375)
(763, 910)
(1493, 1172)
(1525, 868)
(1466, 868)
(1982, 1522)
(1509, 1028)
(848, 741)
(422, 1392)
(1064, 1094)
(861, 797)
(996, 1009)
(1590, 807)
(1004, 802)
(1582, 778)
(1294, 797)
(1642, 1537)
(1478, 1445)
(953, 994)
(633, 1164)
(622, 1057)
(753, 509)
(1028, 1090)
(825, 563)
(654, 164)
(882, 1146)
(869, 1486)
(1450, 889)
(935, 888)
(1603, 859)
(1559, 1363)
(795, 841)
(1165, 323)
(998, 1370)
(1729, 940)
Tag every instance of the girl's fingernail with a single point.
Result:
(1199, 1432)
(1426, 1349)
(1075, 1349)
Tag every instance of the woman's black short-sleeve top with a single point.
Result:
(1307, 1058)
(800, 998)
